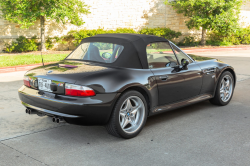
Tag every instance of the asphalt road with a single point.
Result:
(201, 134)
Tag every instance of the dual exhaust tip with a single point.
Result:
(58, 120)
(54, 119)
(30, 111)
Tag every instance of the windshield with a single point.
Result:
(97, 51)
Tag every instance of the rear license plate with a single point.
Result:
(44, 84)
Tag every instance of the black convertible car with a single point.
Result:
(118, 80)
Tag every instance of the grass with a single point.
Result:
(15, 60)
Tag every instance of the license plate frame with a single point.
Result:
(44, 84)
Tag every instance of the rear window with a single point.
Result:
(97, 51)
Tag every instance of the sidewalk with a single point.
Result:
(19, 68)
(214, 49)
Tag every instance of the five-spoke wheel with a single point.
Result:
(224, 90)
(226, 87)
(129, 115)
(132, 114)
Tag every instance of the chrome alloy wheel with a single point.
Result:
(131, 114)
(226, 88)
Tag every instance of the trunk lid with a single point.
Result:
(66, 71)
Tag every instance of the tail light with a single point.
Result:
(26, 81)
(77, 90)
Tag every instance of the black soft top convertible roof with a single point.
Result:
(134, 52)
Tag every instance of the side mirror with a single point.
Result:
(171, 64)
(184, 63)
(106, 55)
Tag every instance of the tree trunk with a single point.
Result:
(43, 48)
(203, 36)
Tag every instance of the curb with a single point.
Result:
(19, 68)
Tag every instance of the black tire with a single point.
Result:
(114, 128)
(217, 99)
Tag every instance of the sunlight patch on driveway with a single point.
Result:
(13, 76)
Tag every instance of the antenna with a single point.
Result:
(42, 33)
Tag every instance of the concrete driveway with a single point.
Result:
(201, 134)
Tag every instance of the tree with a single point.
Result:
(219, 15)
(27, 12)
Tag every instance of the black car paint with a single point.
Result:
(181, 84)
(90, 110)
(109, 82)
(164, 89)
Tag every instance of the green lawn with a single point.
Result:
(15, 60)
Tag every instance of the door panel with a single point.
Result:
(170, 85)
(193, 75)
(193, 81)
(174, 84)
(161, 60)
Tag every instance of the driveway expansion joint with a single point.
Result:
(24, 154)
(6, 139)
(242, 79)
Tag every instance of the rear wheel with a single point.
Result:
(224, 90)
(129, 115)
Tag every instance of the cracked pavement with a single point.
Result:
(200, 134)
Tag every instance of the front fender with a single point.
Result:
(222, 70)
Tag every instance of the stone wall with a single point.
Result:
(245, 14)
(112, 14)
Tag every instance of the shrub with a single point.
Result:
(49, 43)
(125, 30)
(161, 32)
(189, 41)
(240, 36)
(22, 44)
(10, 47)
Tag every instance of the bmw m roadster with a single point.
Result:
(119, 80)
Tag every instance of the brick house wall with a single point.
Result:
(112, 14)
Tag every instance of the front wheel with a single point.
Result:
(224, 90)
(129, 115)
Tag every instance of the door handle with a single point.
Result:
(163, 78)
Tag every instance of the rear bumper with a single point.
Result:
(94, 110)
(49, 112)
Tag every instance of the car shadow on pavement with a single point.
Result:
(97, 134)
(173, 114)
(34, 125)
